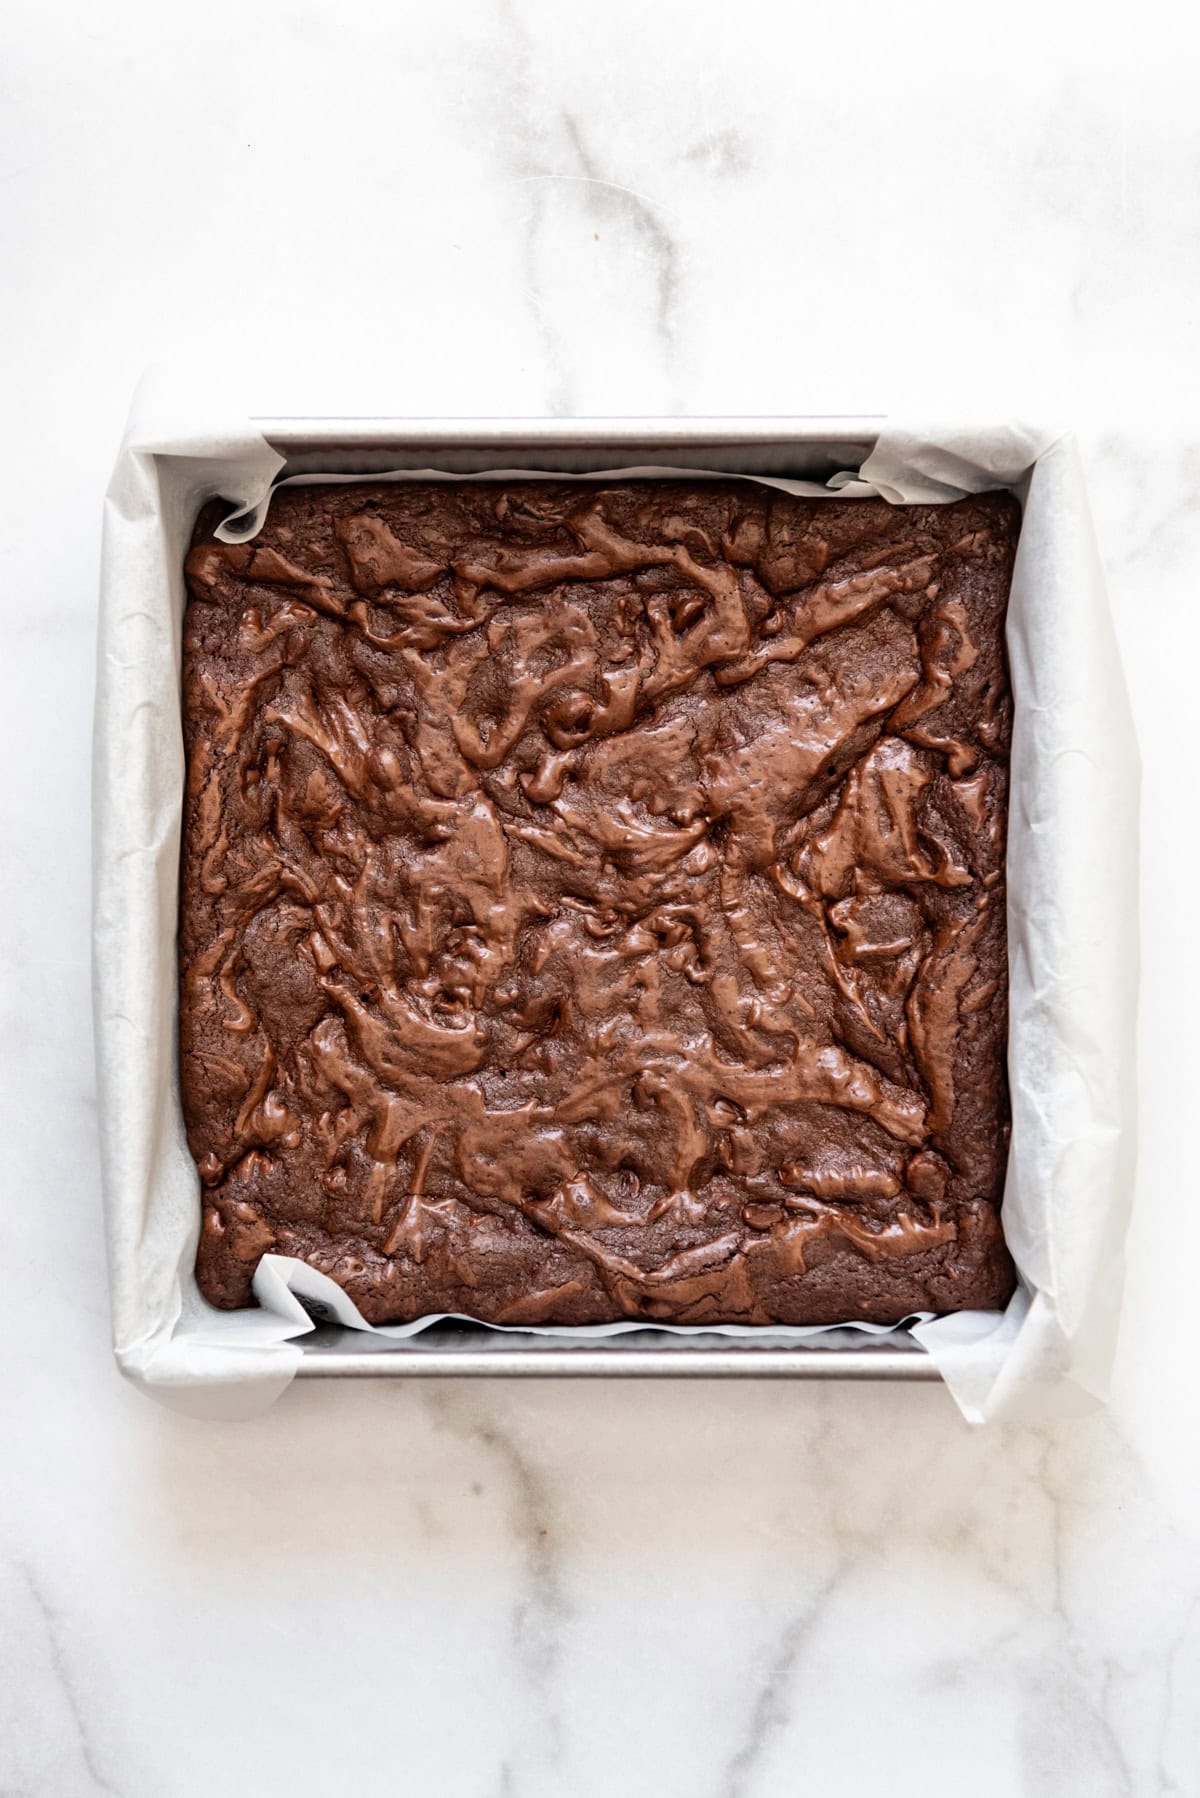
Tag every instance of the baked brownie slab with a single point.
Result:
(593, 901)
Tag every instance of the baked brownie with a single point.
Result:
(593, 900)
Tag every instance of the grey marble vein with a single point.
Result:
(542, 1608)
(549, 149)
(1060, 1723)
(64, 1678)
(1069, 1700)
(723, 153)
(646, 217)
(1167, 1785)
(771, 1710)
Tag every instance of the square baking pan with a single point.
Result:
(802, 448)
(1071, 907)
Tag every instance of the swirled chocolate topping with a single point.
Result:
(593, 901)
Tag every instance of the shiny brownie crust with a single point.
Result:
(593, 900)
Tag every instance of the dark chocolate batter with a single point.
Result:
(593, 901)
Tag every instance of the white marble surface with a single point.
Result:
(526, 205)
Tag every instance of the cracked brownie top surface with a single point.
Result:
(593, 900)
